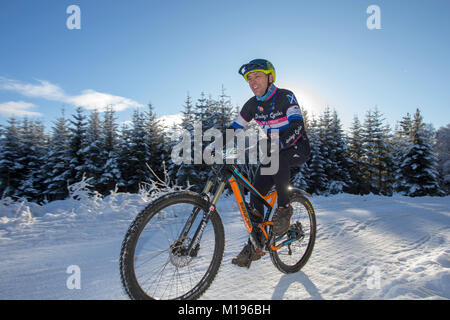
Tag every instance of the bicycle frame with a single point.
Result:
(238, 183)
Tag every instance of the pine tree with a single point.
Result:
(401, 142)
(305, 116)
(299, 175)
(110, 171)
(418, 168)
(224, 112)
(11, 173)
(34, 150)
(187, 122)
(405, 127)
(332, 149)
(171, 140)
(156, 144)
(317, 180)
(340, 150)
(204, 117)
(378, 160)
(184, 172)
(387, 163)
(356, 153)
(58, 161)
(139, 154)
(204, 112)
(442, 148)
(92, 153)
(77, 143)
(124, 154)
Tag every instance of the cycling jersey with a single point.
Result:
(279, 111)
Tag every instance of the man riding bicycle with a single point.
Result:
(276, 110)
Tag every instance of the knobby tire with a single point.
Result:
(127, 268)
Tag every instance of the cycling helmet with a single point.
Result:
(257, 65)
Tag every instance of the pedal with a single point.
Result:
(260, 251)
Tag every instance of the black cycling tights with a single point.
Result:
(263, 183)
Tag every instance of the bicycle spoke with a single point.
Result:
(163, 267)
(299, 241)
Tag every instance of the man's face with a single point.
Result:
(258, 82)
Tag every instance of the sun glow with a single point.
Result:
(309, 99)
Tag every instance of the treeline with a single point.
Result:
(411, 159)
(373, 158)
(40, 166)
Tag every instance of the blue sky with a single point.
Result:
(130, 53)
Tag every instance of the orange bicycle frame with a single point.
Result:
(235, 181)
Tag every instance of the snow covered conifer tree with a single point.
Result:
(92, 153)
(205, 115)
(184, 171)
(139, 155)
(405, 128)
(124, 154)
(111, 172)
(340, 150)
(442, 148)
(58, 161)
(156, 144)
(187, 122)
(326, 145)
(418, 167)
(333, 150)
(77, 143)
(224, 112)
(300, 176)
(356, 155)
(34, 150)
(11, 173)
(317, 180)
(202, 112)
(401, 142)
(378, 164)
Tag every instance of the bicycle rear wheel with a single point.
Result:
(291, 258)
(154, 262)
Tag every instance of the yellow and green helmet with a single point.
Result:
(257, 65)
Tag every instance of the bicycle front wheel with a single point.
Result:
(302, 232)
(154, 260)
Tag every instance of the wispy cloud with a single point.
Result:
(18, 108)
(89, 99)
(44, 89)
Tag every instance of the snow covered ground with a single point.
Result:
(369, 247)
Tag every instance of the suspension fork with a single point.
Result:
(194, 213)
(206, 216)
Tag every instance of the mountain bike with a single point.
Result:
(174, 247)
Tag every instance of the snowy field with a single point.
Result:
(367, 247)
